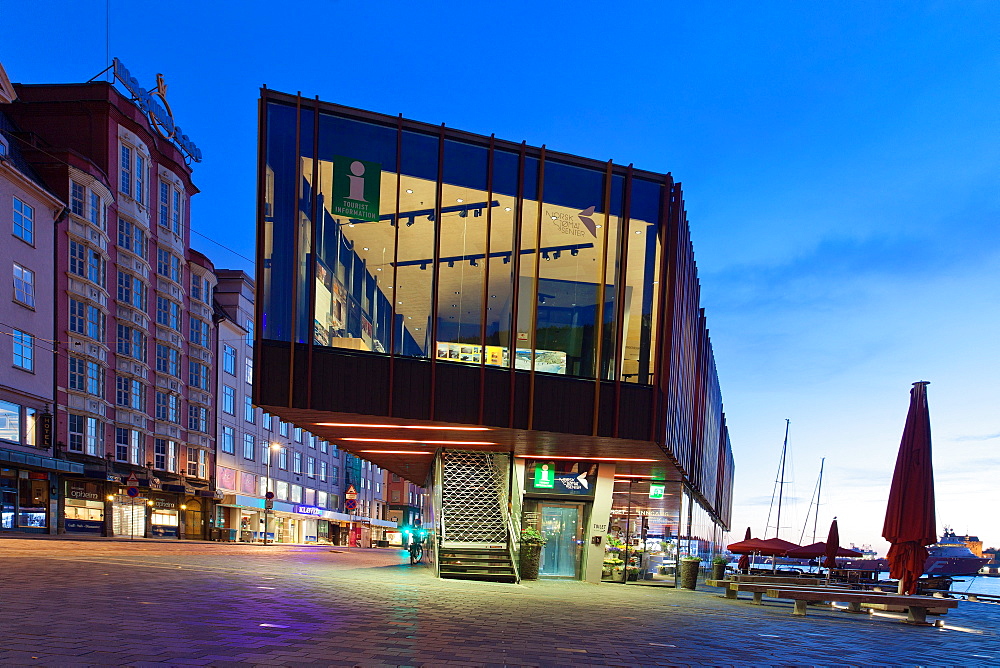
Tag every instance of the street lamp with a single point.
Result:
(271, 449)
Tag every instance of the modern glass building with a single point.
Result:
(493, 321)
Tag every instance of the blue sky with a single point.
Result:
(839, 161)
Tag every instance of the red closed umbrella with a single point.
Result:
(832, 545)
(910, 524)
(744, 563)
(747, 536)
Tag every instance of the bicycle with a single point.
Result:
(416, 551)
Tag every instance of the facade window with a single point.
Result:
(77, 258)
(132, 342)
(229, 400)
(248, 410)
(130, 393)
(132, 238)
(131, 290)
(24, 285)
(248, 369)
(248, 446)
(249, 335)
(322, 470)
(170, 208)
(322, 499)
(297, 462)
(168, 313)
(298, 434)
(95, 267)
(87, 262)
(168, 360)
(86, 435)
(95, 379)
(165, 455)
(126, 170)
(281, 490)
(95, 323)
(140, 179)
(311, 467)
(199, 332)
(24, 221)
(198, 375)
(229, 359)
(197, 418)
(24, 350)
(123, 439)
(295, 493)
(282, 427)
(94, 213)
(283, 458)
(228, 440)
(86, 376)
(77, 195)
(197, 463)
(265, 452)
(168, 265)
(324, 446)
(265, 421)
(168, 407)
(196, 287)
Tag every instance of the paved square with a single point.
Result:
(99, 602)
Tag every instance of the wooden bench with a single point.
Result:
(758, 589)
(916, 606)
(778, 579)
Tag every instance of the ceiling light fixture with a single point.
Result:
(414, 442)
(397, 426)
(396, 452)
(409, 192)
(585, 459)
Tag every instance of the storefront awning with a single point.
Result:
(30, 460)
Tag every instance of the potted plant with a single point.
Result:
(632, 572)
(531, 551)
(689, 571)
(719, 567)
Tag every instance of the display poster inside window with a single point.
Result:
(574, 478)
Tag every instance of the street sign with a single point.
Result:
(269, 496)
(351, 504)
(132, 491)
(656, 491)
(268, 504)
(132, 481)
(351, 493)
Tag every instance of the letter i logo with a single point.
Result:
(357, 182)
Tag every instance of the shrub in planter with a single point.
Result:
(719, 567)
(531, 551)
(689, 572)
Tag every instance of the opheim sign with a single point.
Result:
(158, 110)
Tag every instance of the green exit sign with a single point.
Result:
(656, 491)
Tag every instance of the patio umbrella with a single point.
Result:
(832, 545)
(756, 545)
(910, 524)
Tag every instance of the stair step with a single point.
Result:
(483, 577)
(476, 567)
(466, 557)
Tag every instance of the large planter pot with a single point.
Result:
(689, 573)
(530, 556)
(718, 571)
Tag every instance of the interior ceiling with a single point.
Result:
(402, 446)
(460, 285)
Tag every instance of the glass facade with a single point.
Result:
(449, 246)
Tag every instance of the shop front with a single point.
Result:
(567, 501)
(84, 507)
(24, 501)
(239, 518)
(164, 515)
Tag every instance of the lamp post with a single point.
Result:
(271, 449)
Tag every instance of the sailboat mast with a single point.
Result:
(819, 492)
(781, 485)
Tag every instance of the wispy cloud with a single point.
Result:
(973, 437)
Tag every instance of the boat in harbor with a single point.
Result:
(951, 556)
(947, 557)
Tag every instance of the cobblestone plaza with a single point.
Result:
(100, 602)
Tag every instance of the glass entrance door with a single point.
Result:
(562, 526)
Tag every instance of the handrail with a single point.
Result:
(512, 512)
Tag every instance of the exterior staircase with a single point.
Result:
(476, 534)
(477, 563)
